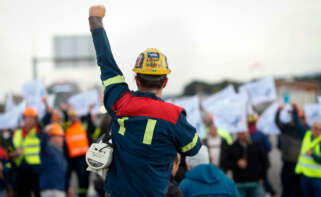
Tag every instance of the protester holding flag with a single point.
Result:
(25, 154)
(248, 162)
(309, 162)
(262, 139)
(290, 143)
(77, 145)
(53, 173)
(217, 142)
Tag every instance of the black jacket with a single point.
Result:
(257, 162)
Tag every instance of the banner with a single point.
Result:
(191, 106)
(227, 92)
(261, 91)
(319, 99)
(266, 122)
(312, 113)
(32, 92)
(81, 102)
(231, 113)
(9, 103)
(11, 119)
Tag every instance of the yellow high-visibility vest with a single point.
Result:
(306, 164)
(30, 147)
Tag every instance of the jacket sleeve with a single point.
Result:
(297, 123)
(111, 76)
(185, 136)
(278, 121)
(267, 143)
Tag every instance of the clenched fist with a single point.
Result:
(97, 10)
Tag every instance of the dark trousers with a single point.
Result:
(27, 182)
(79, 165)
(311, 187)
(290, 181)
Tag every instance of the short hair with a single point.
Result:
(151, 81)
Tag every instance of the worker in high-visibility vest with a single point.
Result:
(309, 162)
(77, 146)
(25, 154)
(146, 131)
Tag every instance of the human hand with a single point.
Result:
(242, 163)
(97, 10)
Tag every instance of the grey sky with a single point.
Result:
(205, 39)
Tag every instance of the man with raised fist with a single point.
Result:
(146, 131)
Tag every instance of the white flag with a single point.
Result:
(9, 103)
(191, 106)
(312, 113)
(10, 119)
(266, 122)
(230, 113)
(260, 91)
(81, 102)
(32, 92)
(227, 92)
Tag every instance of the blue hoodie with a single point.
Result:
(206, 180)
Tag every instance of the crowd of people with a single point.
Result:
(156, 150)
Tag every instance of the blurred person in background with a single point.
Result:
(260, 138)
(217, 142)
(205, 179)
(309, 162)
(173, 189)
(76, 147)
(25, 153)
(53, 173)
(290, 143)
(248, 162)
(146, 131)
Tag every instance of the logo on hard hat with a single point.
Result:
(139, 61)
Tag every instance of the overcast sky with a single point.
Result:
(204, 39)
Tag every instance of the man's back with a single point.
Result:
(146, 131)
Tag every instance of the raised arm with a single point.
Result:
(111, 76)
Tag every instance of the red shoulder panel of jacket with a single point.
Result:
(130, 105)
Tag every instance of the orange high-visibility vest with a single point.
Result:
(76, 139)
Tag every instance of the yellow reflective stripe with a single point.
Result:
(190, 145)
(121, 123)
(114, 80)
(149, 131)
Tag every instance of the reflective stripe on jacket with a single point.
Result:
(306, 164)
(30, 147)
(76, 139)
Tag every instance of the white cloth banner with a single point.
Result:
(81, 102)
(312, 113)
(10, 119)
(32, 92)
(266, 122)
(191, 106)
(319, 99)
(227, 92)
(260, 91)
(230, 113)
(286, 114)
(9, 103)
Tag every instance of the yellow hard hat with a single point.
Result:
(252, 118)
(151, 62)
(72, 112)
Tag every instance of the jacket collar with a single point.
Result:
(146, 94)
